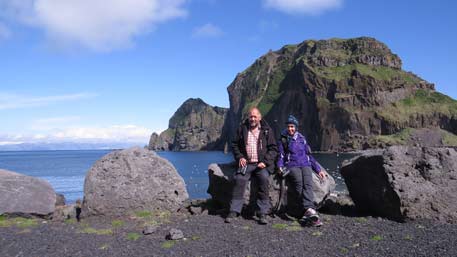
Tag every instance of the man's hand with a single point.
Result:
(242, 162)
(261, 165)
(322, 175)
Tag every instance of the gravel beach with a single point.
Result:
(208, 235)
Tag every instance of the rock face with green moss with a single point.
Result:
(347, 94)
(194, 126)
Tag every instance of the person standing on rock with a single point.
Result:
(255, 150)
(296, 164)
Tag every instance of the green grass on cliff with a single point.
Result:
(424, 102)
(169, 133)
(271, 82)
(256, 76)
(377, 72)
(272, 93)
(402, 138)
(399, 138)
(322, 101)
(449, 139)
(343, 95)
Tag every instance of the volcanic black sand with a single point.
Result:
(208, 235)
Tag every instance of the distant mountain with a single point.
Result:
(67, 146)
(194, 126)
(348, 94)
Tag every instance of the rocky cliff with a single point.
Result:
(348, 94)
(194, 126)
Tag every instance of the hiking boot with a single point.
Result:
(231, 216)
(316, 223)
(263, 219)
(310, 215)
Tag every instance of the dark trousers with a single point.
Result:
(262, 177)
(300, 187)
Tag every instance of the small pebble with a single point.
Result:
(175, 234)
(149, 230)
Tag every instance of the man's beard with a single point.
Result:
(253, 124)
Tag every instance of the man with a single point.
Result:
(297, 165)
(255, 150)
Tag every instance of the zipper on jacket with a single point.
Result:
(259, 140)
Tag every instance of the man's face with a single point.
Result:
(291, 129)
(254, 118)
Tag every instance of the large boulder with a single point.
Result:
(403, 182)
(221, 185)
(131, 180)
(21, 194)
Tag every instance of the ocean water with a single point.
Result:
(65, 170)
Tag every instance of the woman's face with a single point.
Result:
(291, 129)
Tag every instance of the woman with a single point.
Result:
(296, 165)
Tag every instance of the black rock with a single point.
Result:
(405, 183)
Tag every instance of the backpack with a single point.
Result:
(285, 143)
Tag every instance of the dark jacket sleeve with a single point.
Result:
(272, 150)
(236, 145)
(314, 164)
(280, 162)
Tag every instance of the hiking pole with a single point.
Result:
(278, 204)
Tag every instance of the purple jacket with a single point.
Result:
(297, 152)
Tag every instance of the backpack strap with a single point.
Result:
(285, 144)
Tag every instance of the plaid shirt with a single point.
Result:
(251, 146)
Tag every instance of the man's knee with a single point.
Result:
(240, 183)
(240, 179)
(263, 177)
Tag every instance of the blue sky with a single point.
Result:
(94, 70)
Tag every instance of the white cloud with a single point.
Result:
(54, 122)
(207, 30)
(5, 33)
(130, 133)
(115, 133)
(99, 25)
(15, 101)
(313, 7)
